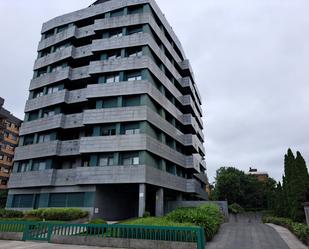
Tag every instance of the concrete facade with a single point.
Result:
(113, 122)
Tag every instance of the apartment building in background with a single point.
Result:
(9, 129)
(113, 123)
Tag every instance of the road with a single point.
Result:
(247, 232)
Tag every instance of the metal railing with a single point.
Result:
(44, 231)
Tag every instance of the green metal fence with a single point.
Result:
(43, 231)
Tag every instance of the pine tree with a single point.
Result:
(288, 185)
(299, 188)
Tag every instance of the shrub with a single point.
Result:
(157, 221)
(207, 216)
(299, 229)
(4, 213)
(236, 208)
(62, 214)
(146, 214)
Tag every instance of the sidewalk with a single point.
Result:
(5, 244)
(290, 239)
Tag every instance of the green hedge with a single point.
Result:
(62, 214)
(207, 216)
(10, 214)
(299, 229)
(156, 221)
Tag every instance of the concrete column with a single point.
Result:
(160, 202)
(141, 200)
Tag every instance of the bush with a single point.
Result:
(236, 208)
(299, 229)
(62, 214)
(207, 216)
(157, 221)
(11, 214)
(146, 214)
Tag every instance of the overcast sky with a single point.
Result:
(251, 64)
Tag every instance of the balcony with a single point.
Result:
(36, 150)
(50, 78)
(46, 100)
(59, 55)
(31, 179)
(62, 36)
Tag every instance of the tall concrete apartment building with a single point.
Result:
(113, 121)
(9, 129)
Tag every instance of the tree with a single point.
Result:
(235, 186)
(299, 188)
(295, 187)
(289, 172)
(279, 201)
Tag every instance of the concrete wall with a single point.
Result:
(11, 236)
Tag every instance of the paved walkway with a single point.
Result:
(247, 232)
(290, 239)
(4, 244)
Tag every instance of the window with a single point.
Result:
(53, 89)
(28, 139)
(9, 159)
(135, 30)
(57, 200)
(131, 101)
(112, 78)
(41, 72)
(114, 55)
(33, 116)
(130, 129)
(23, 166)
(135, 9)
(48, 113)
(6, 134)
(130, 159)
(116, 13)
(13, 137)
(62, 28)
(43, 138)
(22, 201)
(115, 33)
(108, 130)
(134, 52)
(49, 33)
(1, 157)
(56, 69)
(5, 170)
(106, 160)
(38, 93)
(66, 200)
(38, 165)
(132, 76)
(110, 102)
(61, 47)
